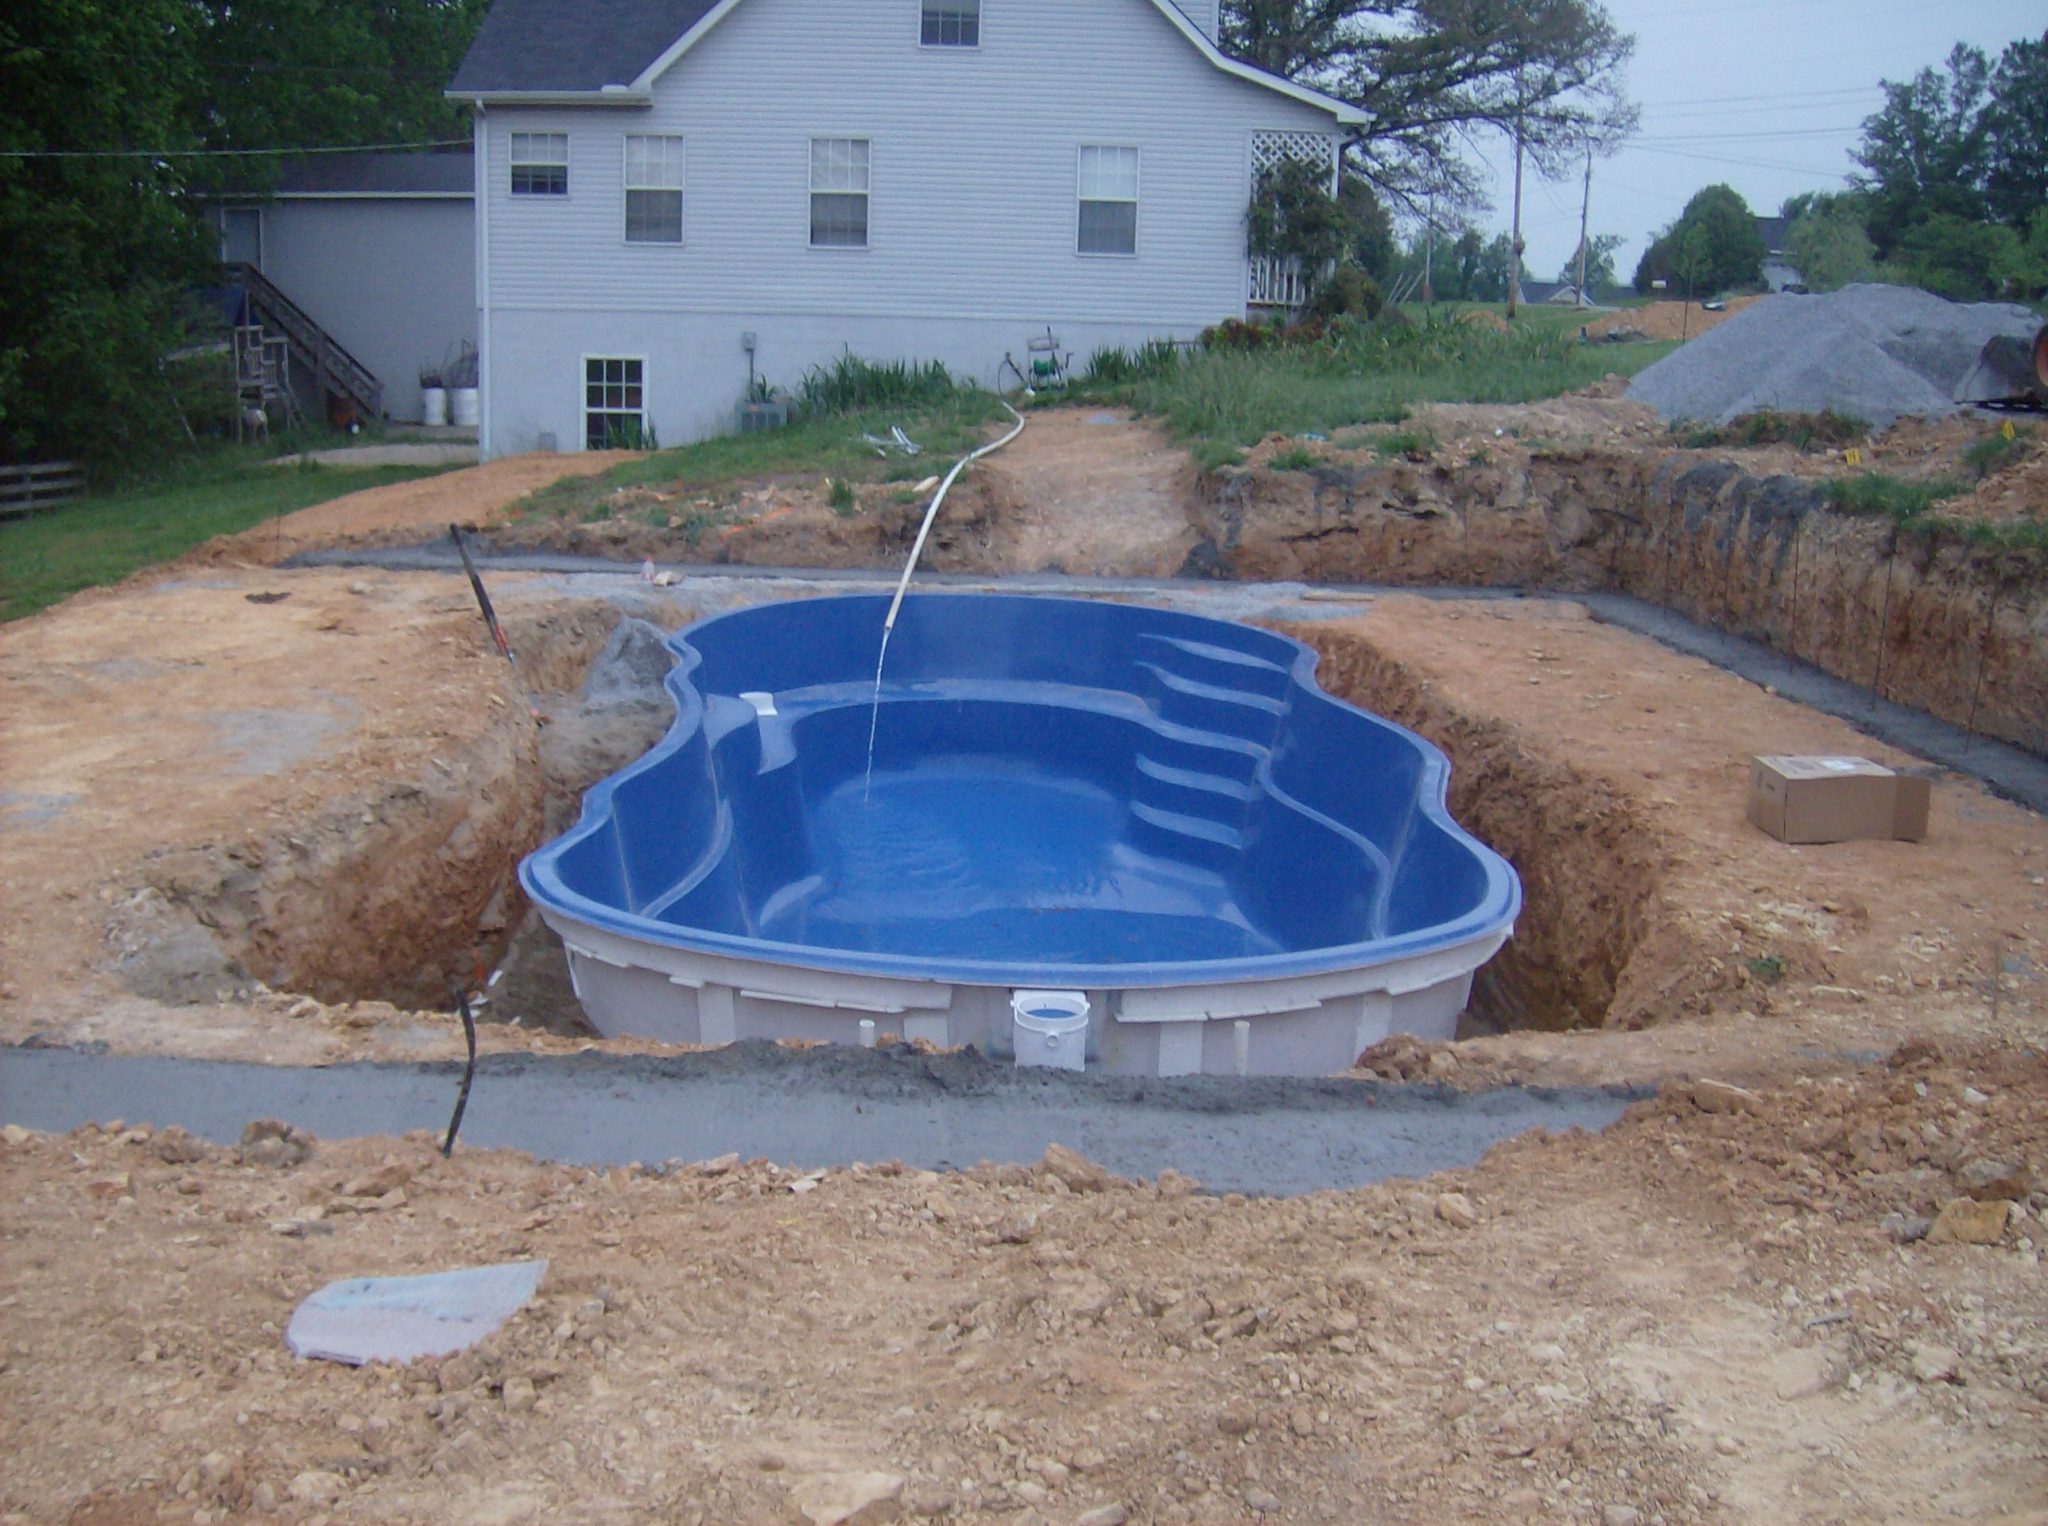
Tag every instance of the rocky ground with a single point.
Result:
(1822, 1301)
(1802, 1283)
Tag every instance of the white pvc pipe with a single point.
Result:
(932, 513)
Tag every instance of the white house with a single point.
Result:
(363, 262)
(676, 195)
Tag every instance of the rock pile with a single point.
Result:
(1873, 352)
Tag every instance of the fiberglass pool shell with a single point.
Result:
(1160, 810)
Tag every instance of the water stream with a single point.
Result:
(875, 710)
(910, 567)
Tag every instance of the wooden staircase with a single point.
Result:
(338, 373)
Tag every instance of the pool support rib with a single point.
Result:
(1160, 811)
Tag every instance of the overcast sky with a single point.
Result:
(1767, 95)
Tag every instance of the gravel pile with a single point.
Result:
(1873, 352)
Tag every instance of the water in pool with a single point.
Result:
(979, 857)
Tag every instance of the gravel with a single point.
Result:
(1873, 352)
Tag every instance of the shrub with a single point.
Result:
(853, 385)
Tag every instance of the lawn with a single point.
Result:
(945, 428)
(102, 539)
(1222, 399)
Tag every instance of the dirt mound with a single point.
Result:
(1872, 352)
(404, 512)
(1667, 320)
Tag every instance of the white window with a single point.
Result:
(839, 193)
(540, 164)
(1109, 201)
(951, 24)
(614, 403)
(654, 190)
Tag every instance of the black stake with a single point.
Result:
(483, 600)
(1884, 620)
(468, 1070)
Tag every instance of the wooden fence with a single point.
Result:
(41, 484)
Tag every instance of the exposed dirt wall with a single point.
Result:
(1595, 932)
(1957, 630)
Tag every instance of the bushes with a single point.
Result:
(853, 385)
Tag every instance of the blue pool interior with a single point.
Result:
(1063, 792)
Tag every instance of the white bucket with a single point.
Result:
(1050, 1029)
(462, 407)
(434, 406)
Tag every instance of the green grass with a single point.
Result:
(1365, 374)
(1404, 442)
(1995, 452)
(1295, 458)
(1804, 431)
(947, 427)
(102, 539)
(1913, 505)
(1882, 495)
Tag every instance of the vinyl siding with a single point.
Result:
(972, 213)
(394, 279)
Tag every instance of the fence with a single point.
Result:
(37, 485)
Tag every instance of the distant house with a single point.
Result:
(678, 196)
(377, 252)
(1779, 272)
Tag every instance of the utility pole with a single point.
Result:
(1429, 253)
(1515, 244)
(1585, 202)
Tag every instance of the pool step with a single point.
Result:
(1184, 838)
(1218, 789)
(1220, 665)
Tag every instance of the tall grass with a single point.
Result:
(853, 385)
(1365, 373)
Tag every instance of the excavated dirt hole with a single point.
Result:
(1590, 881)
(424, 875)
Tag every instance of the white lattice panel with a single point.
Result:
(1316, 150)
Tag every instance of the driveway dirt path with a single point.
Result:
(405, 511)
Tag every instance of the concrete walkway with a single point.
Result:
(826, 1107)
(414, 453)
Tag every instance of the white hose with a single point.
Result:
(932, 513)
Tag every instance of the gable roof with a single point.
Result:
(610, 52)
(566, 47)
(1772, 230)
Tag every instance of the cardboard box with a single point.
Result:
(1835, 800)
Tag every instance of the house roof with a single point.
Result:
(571, 46)
(612, 51)
(1772, 230)
(448, 173)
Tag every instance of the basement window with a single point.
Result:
(951, 24)
(654, 190)
(1109, 201)
(614, 402)
(540, 164)
(839, 193)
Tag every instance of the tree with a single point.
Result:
(1370, 243)
(1426, 71)
(1925, 151)
(99, 250)
(1714, 246)
(2015, 123)
(1954, 257)
(289, 72)
(104, 234)
(2025, 266)
(1827, 243)
(1600, 274)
